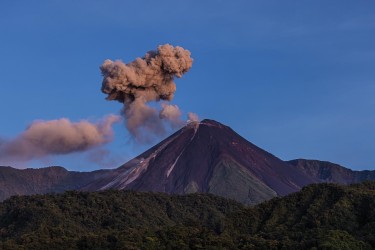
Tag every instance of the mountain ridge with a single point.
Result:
(331, 172)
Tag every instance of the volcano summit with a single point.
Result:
(207, 157)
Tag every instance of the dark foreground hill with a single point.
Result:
(321, 216)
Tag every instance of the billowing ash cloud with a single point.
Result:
(57, 137)
(145, 80)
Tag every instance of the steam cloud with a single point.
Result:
(57, 137)
(145, 80)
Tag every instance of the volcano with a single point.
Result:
(203, 157)
(207, 157)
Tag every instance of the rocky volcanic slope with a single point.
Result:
(331, 172)
(44, 180)
(207, 157)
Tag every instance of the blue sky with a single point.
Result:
(296, 78)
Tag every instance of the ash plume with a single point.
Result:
(57, 137)
(171, 113)
(193, 117)
(145, 80)
(105, 158)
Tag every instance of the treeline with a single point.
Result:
(321, 216)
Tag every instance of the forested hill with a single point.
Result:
(320, 216)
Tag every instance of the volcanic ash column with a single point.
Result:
(145, 80)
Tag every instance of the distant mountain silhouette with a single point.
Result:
(330, 172)
(43, 180)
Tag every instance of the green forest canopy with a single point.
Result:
(320, 216)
